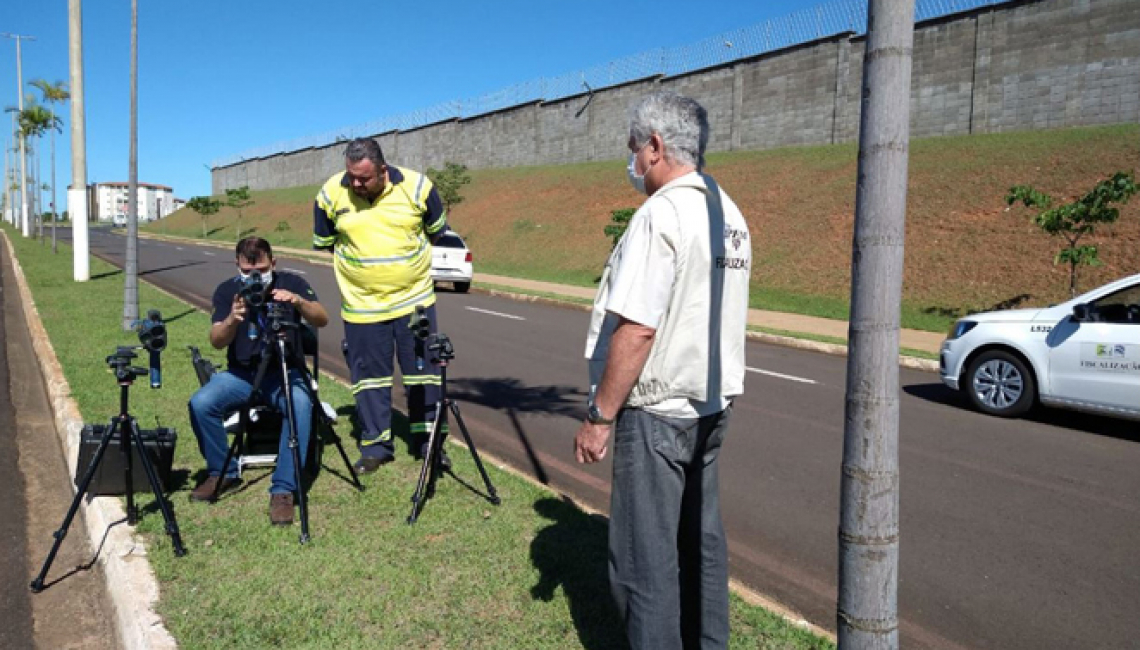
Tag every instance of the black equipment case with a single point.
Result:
(110, 477)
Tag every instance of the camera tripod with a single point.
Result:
(434, 459)
(127, 427)
(277, 348)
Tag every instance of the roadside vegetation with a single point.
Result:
(530, 573)
(964, 251)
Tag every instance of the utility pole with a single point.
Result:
(25, 228)
(867, 612)
(131, 279)
(8, 175)
(77, 192)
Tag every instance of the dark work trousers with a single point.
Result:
(370, 350)
(668, 551)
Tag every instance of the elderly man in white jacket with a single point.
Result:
(666, 358)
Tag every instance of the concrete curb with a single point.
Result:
(130, 580)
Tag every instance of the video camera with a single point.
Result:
(253, 289)
(152, 336)
(279, 316)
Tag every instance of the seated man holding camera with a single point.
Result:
(241, 323)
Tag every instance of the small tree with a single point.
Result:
(620, 221)
(1073, 221)
(204, 206)
(238, 199)
(447, 182)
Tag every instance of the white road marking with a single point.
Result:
(495, 313)
(181, 249)
(781, 375)
(298, 271)
(210, 254)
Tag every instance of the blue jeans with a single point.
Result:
(227, 392)
(668, 550)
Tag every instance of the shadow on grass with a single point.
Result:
(100, 276)
(1083, 422)
(1013, 302)
(180, 315)
(572, 553)
(514, 398)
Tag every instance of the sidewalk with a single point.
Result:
(913, 339)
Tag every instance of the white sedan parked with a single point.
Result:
(451, 262)
(1082, 354)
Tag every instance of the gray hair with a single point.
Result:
(362, 148)
(682, 123)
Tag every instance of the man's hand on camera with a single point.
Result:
(237, 311)
(284, 295)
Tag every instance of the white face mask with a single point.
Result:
(266, 278)
(635, 179)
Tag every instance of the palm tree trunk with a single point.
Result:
(867, 613)
(131, 286)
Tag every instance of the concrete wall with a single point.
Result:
(1027, 64)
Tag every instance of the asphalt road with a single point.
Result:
(1015, 534)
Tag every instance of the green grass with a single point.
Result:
(530, 573)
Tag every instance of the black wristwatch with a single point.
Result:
(594, 414)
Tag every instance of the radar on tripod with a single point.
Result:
(420, 324)
(152, 331)
(253, 288)
(152, 335)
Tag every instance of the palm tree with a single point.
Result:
(35, 120)
(56, 93)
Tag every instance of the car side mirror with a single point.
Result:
(1080, 312)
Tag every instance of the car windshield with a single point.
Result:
(450, 241)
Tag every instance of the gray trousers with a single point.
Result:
(668, 552)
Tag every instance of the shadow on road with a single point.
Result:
(172, 267)
(571, 552)
(516, 398)
(1077, 421)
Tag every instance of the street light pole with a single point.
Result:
(77, 192)
(25, 228)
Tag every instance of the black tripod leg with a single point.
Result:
(492, 496)
(428, 470)
(239, 439)
(159, 496)
(326, 427)
(125, 440)
(294, 444)
(80, 490)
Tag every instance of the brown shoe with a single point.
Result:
(205, 490)
(281, 509)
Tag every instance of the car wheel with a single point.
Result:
(999, 383)
(462, 287)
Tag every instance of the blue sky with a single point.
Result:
(218, 78)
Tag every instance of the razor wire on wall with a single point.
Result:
(806, 25)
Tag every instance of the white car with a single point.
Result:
(1083, 354)
(451, 262)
